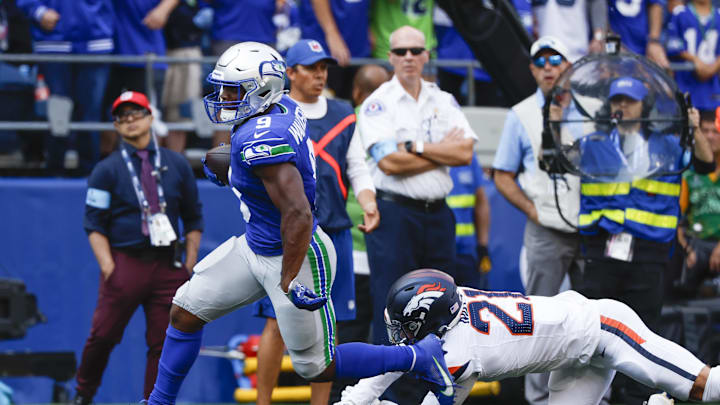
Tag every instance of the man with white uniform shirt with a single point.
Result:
(552, 247)
(413, 131)
(491, 335)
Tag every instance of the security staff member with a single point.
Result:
(629, 226)
(135, 198)
(413, 131)
(472, 216)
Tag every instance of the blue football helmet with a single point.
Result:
(419, 303)
(256, 71)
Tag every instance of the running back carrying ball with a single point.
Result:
(218, 161)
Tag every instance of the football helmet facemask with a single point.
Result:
(419, 303)
(256, 71)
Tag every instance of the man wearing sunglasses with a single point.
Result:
(551, 246)
(413, 131)
(135, 200)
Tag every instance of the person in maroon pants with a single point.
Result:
(135, 200)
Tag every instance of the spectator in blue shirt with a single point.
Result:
(73, 27)
(342, 26)
(139, 25)
(239, 21)
(693, 36)
(639, 24)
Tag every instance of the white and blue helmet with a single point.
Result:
(258, 69)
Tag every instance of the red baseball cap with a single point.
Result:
(133, 97)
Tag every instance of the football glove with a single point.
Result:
(210, 175)
(303, 297)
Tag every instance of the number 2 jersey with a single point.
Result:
(506, 334)
(276, 137)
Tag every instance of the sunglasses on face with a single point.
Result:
(126, 115)
(404, 51)
(555, 60)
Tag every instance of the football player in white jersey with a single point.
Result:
(491, 335)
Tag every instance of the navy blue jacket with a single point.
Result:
(112, 208)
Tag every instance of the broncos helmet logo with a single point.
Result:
(425, 296)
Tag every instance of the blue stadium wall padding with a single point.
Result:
(44, 244)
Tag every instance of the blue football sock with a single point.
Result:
(360, 360)
(179, 353)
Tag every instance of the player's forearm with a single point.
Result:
(100, 246)
(295, 231)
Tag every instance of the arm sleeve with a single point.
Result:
(701, 167)
(508, 156)
(98, 200)
(375, 122)
(357, 169)
(190, 205)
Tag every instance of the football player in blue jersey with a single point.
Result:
(283, 254)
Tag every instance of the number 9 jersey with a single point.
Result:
(276, 137)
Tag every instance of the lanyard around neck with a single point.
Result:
(136, 181)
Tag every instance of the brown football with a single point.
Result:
(217, 160)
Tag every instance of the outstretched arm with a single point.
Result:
(284, 185)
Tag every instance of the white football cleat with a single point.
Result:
(660, 399)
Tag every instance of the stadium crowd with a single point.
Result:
(452, 203)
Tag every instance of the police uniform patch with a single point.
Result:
(374, 107)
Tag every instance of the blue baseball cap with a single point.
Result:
(306, 52)
(628, 86)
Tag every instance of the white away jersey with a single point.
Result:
(507, 334)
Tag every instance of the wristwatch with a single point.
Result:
(419, 147)
(408, 146)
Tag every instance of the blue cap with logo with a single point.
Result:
(306, 52)
(628, 86)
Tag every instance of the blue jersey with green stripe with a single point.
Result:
(275, 137)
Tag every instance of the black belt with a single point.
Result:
(421, 205)
(148, 253)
